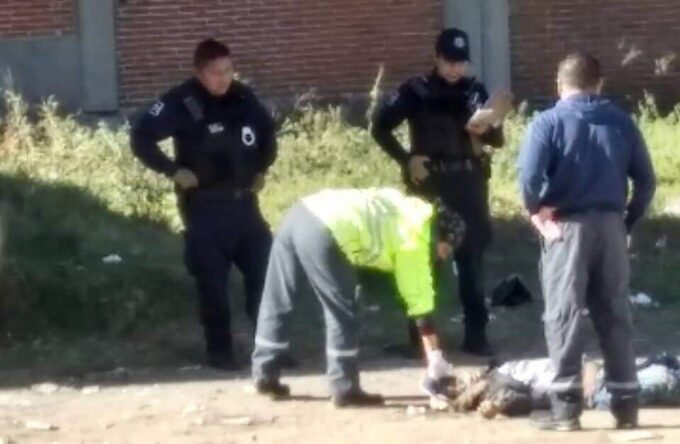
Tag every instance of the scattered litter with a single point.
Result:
(662, 243)
(636, 435)
(238, 421)
(457, 319)
(112, 259)
(416, 410)
(373, 308)
(644, 300)
(90, 389)
(438, 404)
(40, 426)
(46, 388)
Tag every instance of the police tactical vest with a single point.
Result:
(438, 125)
(227, 153)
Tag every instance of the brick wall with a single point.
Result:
(634, 39)
(29, 18)
(284, 47)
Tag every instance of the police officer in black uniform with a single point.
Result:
(224, 142)
(446, 161)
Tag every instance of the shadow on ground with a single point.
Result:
(66, 315)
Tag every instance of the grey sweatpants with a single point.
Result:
(305, 250)
(586, 274)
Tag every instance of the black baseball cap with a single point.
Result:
(453, 44)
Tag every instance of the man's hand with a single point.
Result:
(545, 224)
(185, 179)
(477, 129)
(417, 169)
(258, 183)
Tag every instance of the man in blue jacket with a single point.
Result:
(574, 169)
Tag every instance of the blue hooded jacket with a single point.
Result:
(579, 155)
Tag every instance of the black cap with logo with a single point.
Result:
(453, 45)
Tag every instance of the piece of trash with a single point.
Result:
(190, 368)
(438, 404)
(635, 435)
(112, 259)
(457, 319)
(199, 421)
(662, 243)
(641, 299)
(492, 317)
(90, 389)
(373, 308)
(415, 410)
(40, 426)
(46, 388)
(238, 421)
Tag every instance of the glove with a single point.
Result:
(417, 169)
(437, 366)
(185, 179)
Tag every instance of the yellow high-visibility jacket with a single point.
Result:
(383, 229)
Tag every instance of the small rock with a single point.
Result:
(46, 388)
(40, 426)
(90, 389)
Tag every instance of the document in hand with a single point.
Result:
(494, 111)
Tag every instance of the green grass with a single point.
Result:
(71, 194)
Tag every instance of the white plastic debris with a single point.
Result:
(46, 388)
(641, 299)
(90, 389)
(238, 421)
(40, 426)
(112, 259)
(373, 308)
(457, 319)
(662, 243)
(415, 410)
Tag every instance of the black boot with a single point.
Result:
(625, 411)
(475, 342)
(358, 398)
(273, 389)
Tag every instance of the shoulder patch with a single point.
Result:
(157, 108)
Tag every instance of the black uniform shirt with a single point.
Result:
(226, 141)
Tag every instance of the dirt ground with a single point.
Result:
(196, 405)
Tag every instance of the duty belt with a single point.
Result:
(451, 166)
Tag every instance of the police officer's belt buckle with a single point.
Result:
(453, 166)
